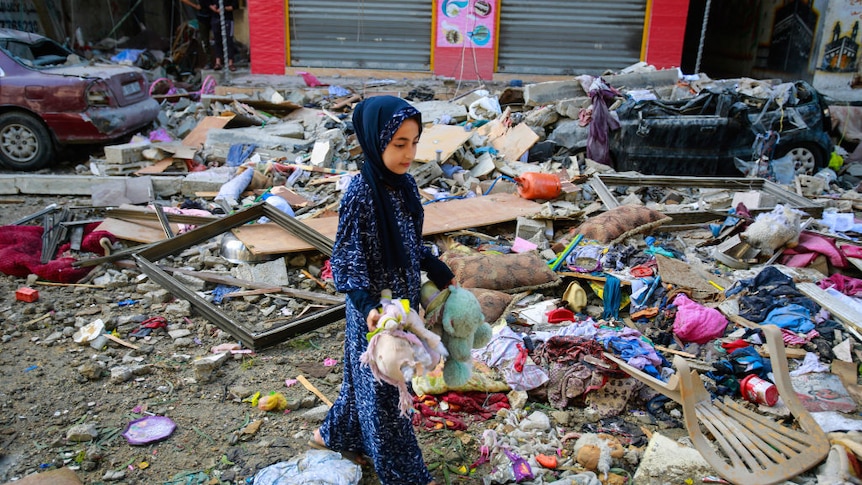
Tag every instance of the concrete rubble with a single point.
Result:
(665, 246)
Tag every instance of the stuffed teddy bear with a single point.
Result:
(463, 329)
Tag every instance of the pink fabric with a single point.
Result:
(852, 251)
(814, 243)
(845, 284)
(695, 322)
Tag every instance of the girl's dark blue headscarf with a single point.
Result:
(376, 120)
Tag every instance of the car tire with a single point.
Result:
(25, 143)
(808, 159)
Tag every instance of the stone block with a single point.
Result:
(667, 461)
(125, 153)
(551, 91)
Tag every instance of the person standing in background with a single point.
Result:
(203, 14)
(229, 7)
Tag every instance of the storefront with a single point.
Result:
(473, 39)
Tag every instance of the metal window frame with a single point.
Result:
(600, 183)
(145, 260)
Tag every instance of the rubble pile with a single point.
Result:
(210, 262)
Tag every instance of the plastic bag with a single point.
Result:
(315, 467)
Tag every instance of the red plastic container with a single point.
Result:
(534, 185)
(758, 391)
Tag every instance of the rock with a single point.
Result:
(317, 414)
(121, 374)
(179, 333)
(206, 366)
(666, 461)
(91, 370)
(114, 475)
(82, 432)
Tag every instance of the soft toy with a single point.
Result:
(773, 230)
(463, 329)
(401, 348)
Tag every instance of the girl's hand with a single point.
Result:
(372, 319)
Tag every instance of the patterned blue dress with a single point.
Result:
(365, 418)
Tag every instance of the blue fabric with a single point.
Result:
(375, 120)
(793, 317)
(611, 296)
(238, 152)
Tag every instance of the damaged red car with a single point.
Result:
(48, 100)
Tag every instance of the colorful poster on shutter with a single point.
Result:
(466, 23)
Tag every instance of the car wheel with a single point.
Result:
(807, 159)
(25, 143)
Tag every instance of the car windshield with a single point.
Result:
(40, 54)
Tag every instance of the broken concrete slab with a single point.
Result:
(643, 79)
(668, 461)
(437, 110)
(552, 91)
(272, 139)
(35, 184)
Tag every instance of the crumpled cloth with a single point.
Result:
(845, 284)
(502, 352)
(602, 122)
(811, 363)
(570, 377)
(792, 317)
(695, 322)
(769, 289)
(628, 344)
(810, 246)
(315, 467)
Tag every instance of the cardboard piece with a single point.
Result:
(447, 139)
(198, 136)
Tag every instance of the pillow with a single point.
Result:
(509, 273)
(493, 302)
(620, 223)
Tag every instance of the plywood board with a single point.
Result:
(440, 217)
(515, 142)
(448, 139)
(139, 231)
(198, 136)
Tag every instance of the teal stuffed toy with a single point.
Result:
(464, 329)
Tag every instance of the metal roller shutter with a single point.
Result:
(373, 34)
(569, 37)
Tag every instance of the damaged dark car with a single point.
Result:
(50, 99)
(706, 134)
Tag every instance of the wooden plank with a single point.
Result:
(140, 231)
(448, 139)
(515, 142)
(198, 136)
(440, 217)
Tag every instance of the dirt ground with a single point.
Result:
(51, 384)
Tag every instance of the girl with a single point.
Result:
(378, 245)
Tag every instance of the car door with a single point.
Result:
(677, 139)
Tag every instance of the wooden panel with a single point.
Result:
(440, 217)
(445, 138)
(198, 135)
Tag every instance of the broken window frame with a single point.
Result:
(601, 182)
(146, 257)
